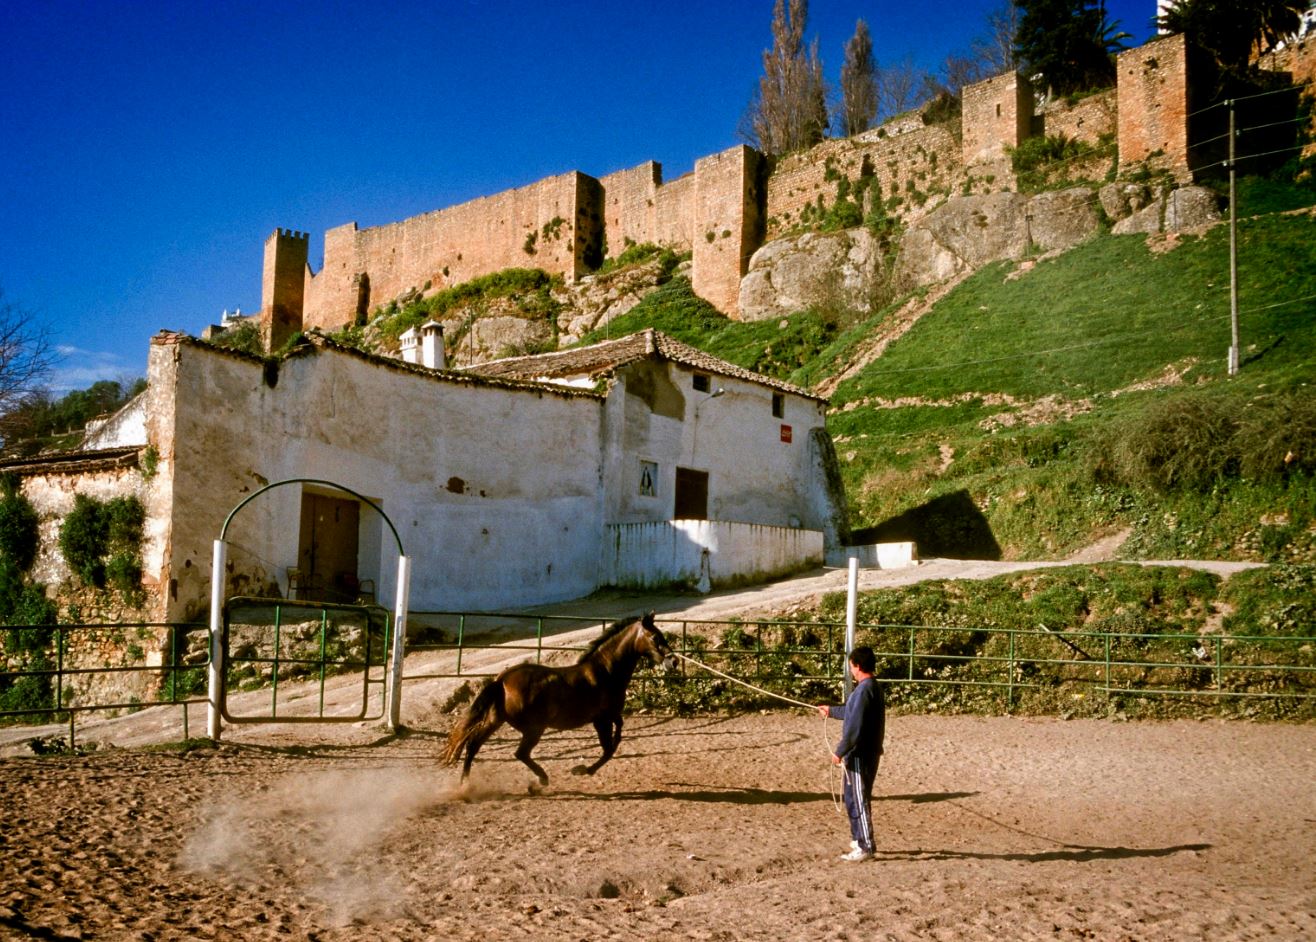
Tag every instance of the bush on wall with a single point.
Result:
(18, 526)
(101, 542)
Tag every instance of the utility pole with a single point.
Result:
(1233, 252)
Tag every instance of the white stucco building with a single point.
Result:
(638, 462)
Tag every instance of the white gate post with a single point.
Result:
(399, 636)
(851, 607)
(216, 691)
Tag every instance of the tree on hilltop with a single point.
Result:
(1231, 31)
(1070, 44)
(858, 83)
(789, 110)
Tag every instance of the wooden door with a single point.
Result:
(327, 554)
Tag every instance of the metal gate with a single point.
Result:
(265, 657)
(308, 662)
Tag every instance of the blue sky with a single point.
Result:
(148, 148)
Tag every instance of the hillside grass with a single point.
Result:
(781, 349)
(1039, 408)
(1015, 395)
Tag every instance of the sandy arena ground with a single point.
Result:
(714, 828)
(699, 829)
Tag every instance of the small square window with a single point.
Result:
(701, 382)
(778, 405)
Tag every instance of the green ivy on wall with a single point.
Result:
(101, 542)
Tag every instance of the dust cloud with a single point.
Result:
(322, 831)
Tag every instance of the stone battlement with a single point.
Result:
(721, 212)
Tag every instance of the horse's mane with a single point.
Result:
(615, 628)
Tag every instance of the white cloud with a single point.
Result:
(76, 368)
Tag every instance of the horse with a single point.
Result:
(532, 697)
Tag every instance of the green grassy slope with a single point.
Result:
(1017, 392)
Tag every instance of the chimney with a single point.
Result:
(410, 344)
(432, 354)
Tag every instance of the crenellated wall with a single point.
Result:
(728, 206)
(554, 224)
(564, 225)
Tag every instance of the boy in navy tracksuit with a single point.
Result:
(860, 748)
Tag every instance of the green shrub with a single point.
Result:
(1277, 437)
(1177, 444)
(1195, 443)
(101, 542)
(82, 539)
(18, 529)
(244, 338)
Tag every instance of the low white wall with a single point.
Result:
(650, 555)
(876, 556)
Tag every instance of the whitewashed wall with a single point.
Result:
(125, 427)
(656, 554)
(753, 474)
(495, 491)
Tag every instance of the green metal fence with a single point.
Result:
(1040, 668)
(271, 642)
(927, 667)
(50, 673)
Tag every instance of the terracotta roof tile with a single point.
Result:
(601, 360)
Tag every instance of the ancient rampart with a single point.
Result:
(727, 207)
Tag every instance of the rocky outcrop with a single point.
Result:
(970, 231)
(1138, 208)
(963, 234)
(597, 299)
(816, 268)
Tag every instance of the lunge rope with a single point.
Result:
(831, 777)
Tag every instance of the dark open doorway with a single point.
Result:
(691, 495)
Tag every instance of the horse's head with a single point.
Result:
(654, 645)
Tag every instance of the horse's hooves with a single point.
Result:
(580, 770)
(537, 787)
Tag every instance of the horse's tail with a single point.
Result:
(482, 717)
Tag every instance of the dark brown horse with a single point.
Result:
(533, 698)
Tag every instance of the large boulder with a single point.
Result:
(842, 269)
(968, 232)
(1187, 207)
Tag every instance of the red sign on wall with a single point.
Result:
(786, 434)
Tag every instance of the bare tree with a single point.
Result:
(858, 83)
(26, 355)
(994, 50)
(789, 111)
(901, 87)
(989, 54)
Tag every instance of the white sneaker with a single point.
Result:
(854, 845)
(857, 855)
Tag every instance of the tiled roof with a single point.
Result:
(75, 462)
(601, 360)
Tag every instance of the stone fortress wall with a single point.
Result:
(727, 207)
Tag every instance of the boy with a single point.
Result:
(860, 748)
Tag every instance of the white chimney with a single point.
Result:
(432, 353)
(410, 343)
